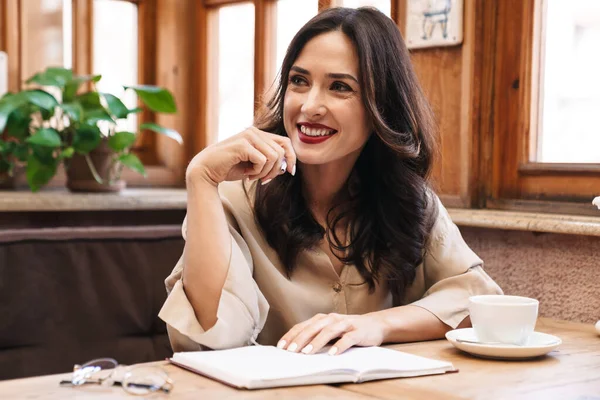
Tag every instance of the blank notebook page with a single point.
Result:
(270, 363)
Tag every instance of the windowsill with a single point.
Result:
(175, 199)
(63, 200)
(527, 221)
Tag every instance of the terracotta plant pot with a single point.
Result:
(80, 177)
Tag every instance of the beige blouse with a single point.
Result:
(260, 304)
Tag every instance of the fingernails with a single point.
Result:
(281, 344)
(292, 347)
(265, 182)
(333, 351)
(294, 170)
(307, 349)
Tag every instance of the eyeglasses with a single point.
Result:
(137, 380)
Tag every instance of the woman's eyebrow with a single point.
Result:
(330, 75)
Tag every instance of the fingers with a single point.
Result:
(310, 337)
(287, 342)
(283, 146)
(289, 153)
(271, 158)
(346, 341)
(277, 166)
(256, 158)
(326, 335)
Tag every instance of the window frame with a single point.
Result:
(514, 182)
(162, 168)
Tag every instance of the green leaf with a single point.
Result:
(121, 141)
(44, 79)
(115, 106)
(5, 166)
(21, 151)
(41, 99)
(173, 134)
(6, 95)
(39, 173)
(73, 110)
(66, 153)
(60, 74)
(74, 84)
(135, 110)
(131, 161)
(17, 125)
(47, 137)
(86, 139)
(7, 106)
(43, 153)
(89, 100)
(155, 98)
(99, 114)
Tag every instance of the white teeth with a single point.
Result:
(315, 132)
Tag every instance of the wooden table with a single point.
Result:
(570, 372)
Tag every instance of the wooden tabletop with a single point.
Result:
(570, 372)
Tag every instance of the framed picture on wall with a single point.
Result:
(433, 23)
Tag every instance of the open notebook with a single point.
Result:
(256, 367)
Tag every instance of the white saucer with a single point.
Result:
(537, 345)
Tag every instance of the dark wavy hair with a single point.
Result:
(387, 207)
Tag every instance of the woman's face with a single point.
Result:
(323, 114)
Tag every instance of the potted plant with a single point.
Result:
(44, 128)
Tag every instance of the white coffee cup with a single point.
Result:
(504, 319)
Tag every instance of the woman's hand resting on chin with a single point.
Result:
(311, 336)
(252, 154)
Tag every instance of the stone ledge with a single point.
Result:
(63, 200)
(175, 199)
(527, 221)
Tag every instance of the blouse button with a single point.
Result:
(337, 287)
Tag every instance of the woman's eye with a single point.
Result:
(340, 87)
(297, 80)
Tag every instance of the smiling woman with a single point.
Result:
(351, 245)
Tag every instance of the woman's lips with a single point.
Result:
(312, 139)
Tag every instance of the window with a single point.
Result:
(291, 16)
(46, 35)
(235, 69)
(569, 103)
(544, 97)
(115, 49)
(382, 5)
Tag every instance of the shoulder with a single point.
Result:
(439, 220)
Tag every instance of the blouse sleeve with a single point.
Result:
(242, 309)
(452, 273)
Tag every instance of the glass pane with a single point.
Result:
(570, 91)
(382, 5)
(235, 69)
(291, 16)
(46, 35)
(116, 52)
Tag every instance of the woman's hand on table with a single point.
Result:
(310, 336)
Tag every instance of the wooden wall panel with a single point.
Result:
(83, 19)
(175, 46)
(146, 142)
(439, 72)
(451, 79)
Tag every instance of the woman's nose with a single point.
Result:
(314, 105)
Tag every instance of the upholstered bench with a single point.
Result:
(68, 295)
